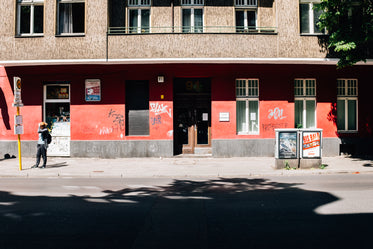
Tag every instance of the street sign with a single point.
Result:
(17, 92)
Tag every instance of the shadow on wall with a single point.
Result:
(221, 213)
(4, 110)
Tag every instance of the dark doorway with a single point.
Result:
(137, 108)
(192, 116)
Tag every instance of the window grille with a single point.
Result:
(139, 2)
(305, 87)
(192, 2)
(347, 87)
(247, 88)
(246, 3)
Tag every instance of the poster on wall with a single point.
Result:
(287, 145)
(92, 90)
(311, 146)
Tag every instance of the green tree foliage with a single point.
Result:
(349, 24)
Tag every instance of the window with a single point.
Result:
(139, 16)
(30, 17)
(245, 15)
(305, 103)
(71, 17)
(192, 16)
(347, 95)
(309, 17)
(137, 108)
(247, 106)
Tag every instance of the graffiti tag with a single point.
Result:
(159, 109)
(276, 113)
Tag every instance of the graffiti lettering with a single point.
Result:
(156, 120)
(276, 113)
(272, 127)
(159, 109)
(117, 119)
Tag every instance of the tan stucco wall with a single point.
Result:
(91, 46)
(283, 14)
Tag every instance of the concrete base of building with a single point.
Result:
(164, 148)
(243, 147)
(262, 147)
(117, 149)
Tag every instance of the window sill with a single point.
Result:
(347, 132)
(247, 134)
(313, 34)
(71, 35)
(29, 36)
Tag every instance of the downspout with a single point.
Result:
(107, 31)
(173, 16)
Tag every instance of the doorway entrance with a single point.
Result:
(192, 116)
(57, 116)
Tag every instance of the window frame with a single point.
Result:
(32, 4)
(346, 96)
(311, 17)
(252, 97)
(138, 29)
(192, 6)
(58, 31)
(305, 96)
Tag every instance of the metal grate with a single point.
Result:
(192, 2)
(139, 2)
(246, 3)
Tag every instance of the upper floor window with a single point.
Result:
(309, 17)
(246, 15)
(347, 101)
(305, 103)
(30, 17)
(247, 106)
(192, 16)
(139, 16)
(70, 17)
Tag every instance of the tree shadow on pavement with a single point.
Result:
(220, 213)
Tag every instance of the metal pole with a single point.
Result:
(19, 146)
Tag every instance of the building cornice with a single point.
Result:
(307, 61)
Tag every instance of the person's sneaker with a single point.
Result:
(42, 167)
(34, 166)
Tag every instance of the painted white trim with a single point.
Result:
(316, 61)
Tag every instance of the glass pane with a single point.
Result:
(310, 114)
(241, 116)
(57, 92)
(253, 116)
(251, 19)
(351, 115)
(25, 19)
(145, 21)
(57, 113)
(304, 18)
(341, 115)
(38, 19)
(316, 16)
(78, 17)
(298, 114)
(133, 21)
(198, 20)
(186, 20)
(240, 21)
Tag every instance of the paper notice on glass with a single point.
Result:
(253, 116)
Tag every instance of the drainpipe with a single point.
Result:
(173, 16)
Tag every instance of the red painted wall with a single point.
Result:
(105, 120)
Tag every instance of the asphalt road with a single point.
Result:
(325, 211)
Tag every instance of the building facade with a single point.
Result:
(138, 78)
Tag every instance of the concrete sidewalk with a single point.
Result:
(174, 167)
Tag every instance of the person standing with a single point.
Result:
(42, 145)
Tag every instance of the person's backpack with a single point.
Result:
(49, 138)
